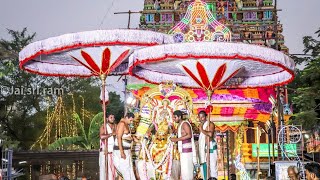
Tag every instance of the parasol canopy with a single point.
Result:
(261, 66)
(209, 75)
(84, 54)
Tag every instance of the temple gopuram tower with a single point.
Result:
(250, 21)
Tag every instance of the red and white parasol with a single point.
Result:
(261, 66)
(84, 54)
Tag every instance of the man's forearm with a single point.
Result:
(184, 137)
(207, 133)
(120, 145)
(103, 137)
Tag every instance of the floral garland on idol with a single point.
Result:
(166, 160)
(238, 164)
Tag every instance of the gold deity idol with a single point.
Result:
(162, 135)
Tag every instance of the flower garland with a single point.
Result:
(170, 164)
(242, 170)
(145, 173)
(166, 158)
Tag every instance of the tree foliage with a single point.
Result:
(115, 106)
(306, 95)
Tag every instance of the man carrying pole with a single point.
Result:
(111, 127)
(204, 134)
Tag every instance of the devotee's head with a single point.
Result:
(129, 117)
(212, 178)
(233, 177)
(312, 171)
(110, 118)
(293, 172)
(177, 116)
(202, 116)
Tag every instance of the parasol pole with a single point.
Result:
(103, 80)
(209, 94)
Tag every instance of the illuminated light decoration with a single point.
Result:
(58, 120)
(199, 24)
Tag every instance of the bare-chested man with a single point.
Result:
(122, 148)
(111, 129)
(186, 146)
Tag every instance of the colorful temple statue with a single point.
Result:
(250, 21)
(199, 25)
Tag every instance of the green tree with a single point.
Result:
(306, 95)
(15, 109)
(115, 106)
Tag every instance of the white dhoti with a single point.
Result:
(203, 156)
(102, 162)
(186, 161)
(124, 166)
(102, 165)
(188, 156)
(213, 166)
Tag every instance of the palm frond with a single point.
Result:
(67, 141)
(94, 129)
(80, 126)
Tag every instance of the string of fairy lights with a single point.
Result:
(61, 123)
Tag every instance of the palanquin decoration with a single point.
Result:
(231, 107)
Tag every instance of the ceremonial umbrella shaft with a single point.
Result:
(209, 94)
(103, 79)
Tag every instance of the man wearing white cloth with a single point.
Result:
(122, 148)
(111, 129)
(186, 146)
(204, 134)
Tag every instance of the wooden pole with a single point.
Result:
(129, 18)
(103, 79)
(209, 94)
(125, 80)
(258, 149)
(228, 154)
